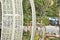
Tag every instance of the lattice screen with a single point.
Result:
(7, 19)
(12, 20)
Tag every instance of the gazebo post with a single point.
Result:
(33, 19)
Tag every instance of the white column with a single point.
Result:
(33, 19)
(13, 31)
(21, 27)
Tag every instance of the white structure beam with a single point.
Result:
(13, 31)
(33, 19)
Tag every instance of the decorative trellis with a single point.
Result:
(12, 19)
(7, 19)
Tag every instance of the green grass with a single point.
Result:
(55, 39)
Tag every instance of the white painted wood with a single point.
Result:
(6, 20)
(33, 19)
(21, 27)
(13, 31)
(20, 15)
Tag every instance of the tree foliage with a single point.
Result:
(44, 8)
(27, 12)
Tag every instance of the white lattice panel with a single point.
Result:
(18, 20)
(7, 20)
(12, 20)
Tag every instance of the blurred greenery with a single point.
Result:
(26, 35)
(27, 12)
(44, 8)
(37, 36)
(54, 38)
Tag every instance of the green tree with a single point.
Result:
(43, 7)
(27, 12)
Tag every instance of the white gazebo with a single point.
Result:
(12, 19)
